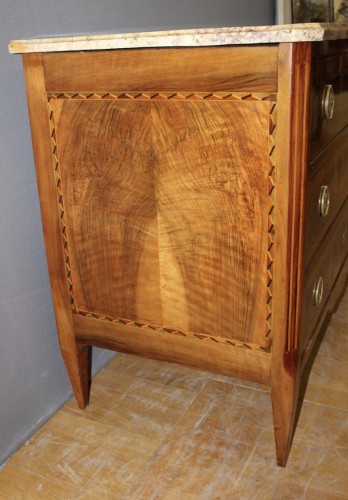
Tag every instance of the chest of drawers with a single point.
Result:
(193, 191)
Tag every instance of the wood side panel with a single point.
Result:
(239, 362)
(168, 225)
(37, 102)
(239, 68)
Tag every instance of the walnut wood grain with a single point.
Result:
(150, 230)
(187, 69)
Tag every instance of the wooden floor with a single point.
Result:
(160, 431)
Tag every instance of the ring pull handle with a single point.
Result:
(318, 291)
(324, 201)
(328, 102)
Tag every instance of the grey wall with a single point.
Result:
(33, 382)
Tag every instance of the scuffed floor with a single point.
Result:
(160, 431)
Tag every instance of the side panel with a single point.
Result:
(165, 209)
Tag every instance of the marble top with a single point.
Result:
(309, 32)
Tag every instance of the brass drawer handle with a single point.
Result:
(328, 102)
(318, 291)
(324, 201)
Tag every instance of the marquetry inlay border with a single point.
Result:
(271, 222)
(164, 96)
(172, 331)
(61, 210)
(176, 96)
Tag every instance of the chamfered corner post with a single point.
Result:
(76, 358)
(294, 73)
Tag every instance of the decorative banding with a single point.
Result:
(182, 96)
(144, 326)
(163, 96)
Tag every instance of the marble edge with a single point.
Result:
(309, 32)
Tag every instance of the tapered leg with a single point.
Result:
(85, 363)
(284, 393)
(78, 365)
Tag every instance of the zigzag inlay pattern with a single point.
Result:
(172, 331)
(271, 227)
(226, 96)
(57, 174)
(163, 96)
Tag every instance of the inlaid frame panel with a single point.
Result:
(165, 231)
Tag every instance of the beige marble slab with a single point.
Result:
(186, 38)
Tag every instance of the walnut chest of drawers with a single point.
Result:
(193, 190)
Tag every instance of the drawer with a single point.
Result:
(320, 277)
(329, 101)
(326, 192)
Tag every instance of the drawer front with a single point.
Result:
(326, 192)
(329, 100)
(320, 277)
